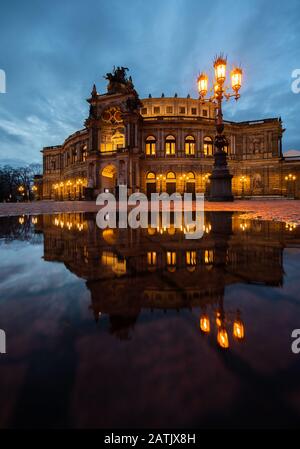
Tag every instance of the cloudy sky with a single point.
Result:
(53, 52)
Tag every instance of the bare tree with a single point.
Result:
(16, 183)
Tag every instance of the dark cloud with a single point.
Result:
(53, 52)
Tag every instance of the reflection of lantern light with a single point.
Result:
(205, 324)
(238, 329)
(151, 231)
(109, 236)
(218, 320)
(222, 338)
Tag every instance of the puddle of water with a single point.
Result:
(123, 328)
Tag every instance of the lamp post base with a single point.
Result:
(220, 186)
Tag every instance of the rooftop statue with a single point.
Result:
(118, 81)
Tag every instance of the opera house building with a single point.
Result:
(162, 144)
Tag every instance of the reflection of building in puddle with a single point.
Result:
(110, 259)
(128, 271)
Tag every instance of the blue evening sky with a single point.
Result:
(53, 52)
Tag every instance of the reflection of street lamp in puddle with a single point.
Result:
(238, 328)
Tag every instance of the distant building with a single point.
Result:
(162, 144)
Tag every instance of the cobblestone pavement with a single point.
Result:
(278, 210)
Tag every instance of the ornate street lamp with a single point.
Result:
(220, 188)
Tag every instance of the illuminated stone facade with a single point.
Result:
(162, 144)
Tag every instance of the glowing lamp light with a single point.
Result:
(238, 329)
(220, 69)
(218, 320)
(217, 88)
(236, 79)
(202, 84)
(205, 324)
(222, 338)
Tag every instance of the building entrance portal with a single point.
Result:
(108, 178)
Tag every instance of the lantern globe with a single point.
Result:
(220, 64)
(205, 324)
(222, 338)
(236, 78)
(202, 84)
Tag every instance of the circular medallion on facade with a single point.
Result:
(112, 115)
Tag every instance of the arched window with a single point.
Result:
(118, 140)
(171, 176)
(74, 155)
(151, 176)
(150, 146)
(189, 145)
(84, 153)
(170, 144)
(208, 147)
(191, 176)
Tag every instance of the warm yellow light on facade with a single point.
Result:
(202, 84)
(220, 69)
(238, 329)
(151, 258)
(207, 228)
(222, 338)
(208, 256)
(205, 324)
(236, 79)
(191, 258)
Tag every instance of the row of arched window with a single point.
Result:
(170, 176)
(189, 146)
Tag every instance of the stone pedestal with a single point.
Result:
(220, 179)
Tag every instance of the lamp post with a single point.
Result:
(21, 189)
(61, 185)
(220, 188)
(69, 189)
(79, 183)
(185, 179)
(206, 181)
(160, 178)
(34, 190)
(243, 180)
(291, 181)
